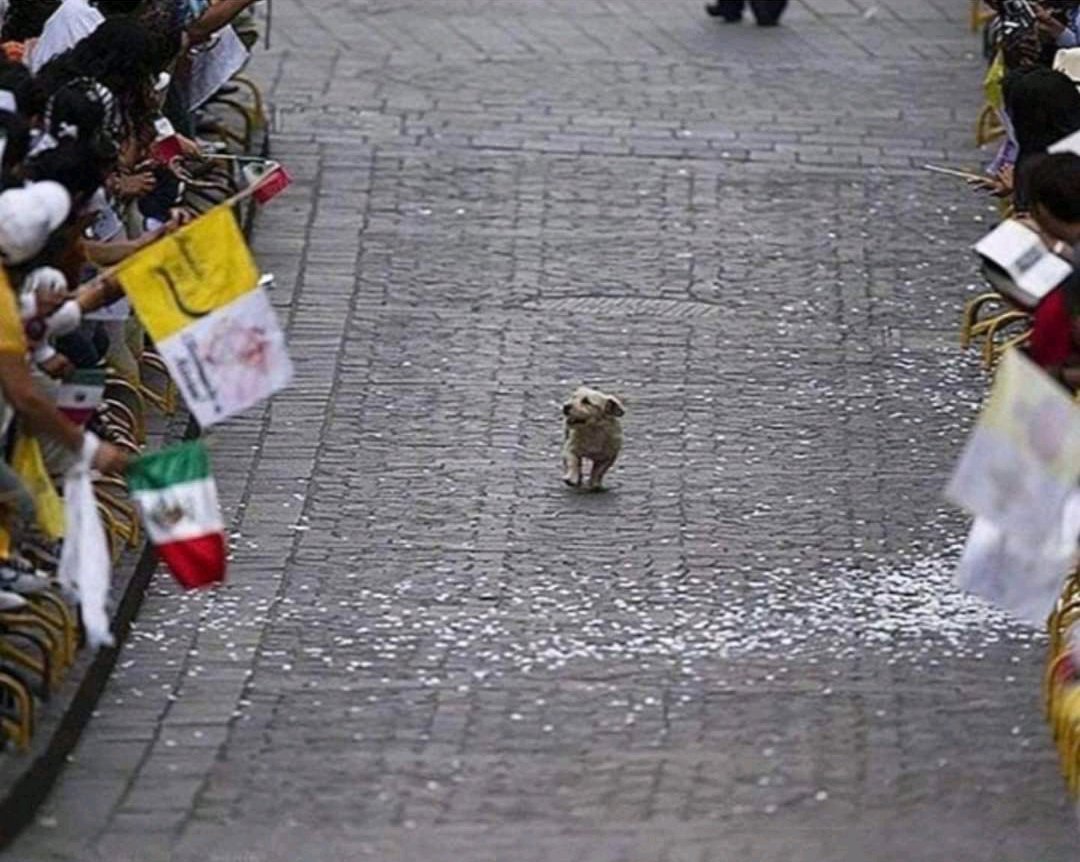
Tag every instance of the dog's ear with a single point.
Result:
(614, 407)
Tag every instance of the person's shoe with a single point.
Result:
(716, 11)
(768, 23)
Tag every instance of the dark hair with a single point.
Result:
(15, 131)
(16, 79)
(70, 164)
(121, 55)
(83, 106)
(1043, 107)
(1054, 183)
(109, 8)
(26, 19)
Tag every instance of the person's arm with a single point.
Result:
(41, 416)
(97, 294)
(1052, 29)
(129, 186)
(112, 252)
(219, 15)
(1069, 37)
(106, 254)
(31, 405)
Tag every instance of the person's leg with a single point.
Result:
(729, 10)
(120, 356)
(768, 12)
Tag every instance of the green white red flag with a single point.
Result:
(177, 496)
(79, 397)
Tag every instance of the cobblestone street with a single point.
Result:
(749, 648)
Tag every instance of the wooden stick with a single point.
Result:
(227, 157)
(106, 274)
(952, 172)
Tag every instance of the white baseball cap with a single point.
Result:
(28, 217)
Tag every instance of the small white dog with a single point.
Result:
(592, 432)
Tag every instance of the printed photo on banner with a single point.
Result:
(230, 360)
(1022, 462)
(197, 293)
(1018, 477)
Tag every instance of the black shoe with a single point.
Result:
(716, 11)
(768, 23)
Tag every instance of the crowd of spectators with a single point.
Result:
(89, 90)
(1034, 51)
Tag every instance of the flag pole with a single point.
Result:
(228, 157)
(99, 280)
(952, 172)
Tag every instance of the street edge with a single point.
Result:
(26, 794)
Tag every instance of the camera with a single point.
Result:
(1018, 14)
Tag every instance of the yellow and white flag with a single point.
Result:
(1018, 477)
(1022, 462)
(196, 292)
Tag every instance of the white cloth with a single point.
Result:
(106, 225)
(85, 567)
(1012, 577)
(47, 280)
(65, 320)
(66, 27)
(214, 67)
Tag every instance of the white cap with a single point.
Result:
(1068, 144)
(28, 217)
(1067, 61)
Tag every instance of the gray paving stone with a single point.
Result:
(748, 649)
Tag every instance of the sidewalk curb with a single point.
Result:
(25, 795)
(30, 790)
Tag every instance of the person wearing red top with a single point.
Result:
(1054, 197)
(1051, 344)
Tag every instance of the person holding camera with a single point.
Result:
(1059, 23)
(766, 12)
(1030, 32)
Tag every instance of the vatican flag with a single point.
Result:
(1018, 476)
(196, 292)
(1021, 465)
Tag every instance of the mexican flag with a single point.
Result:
(176, 494)
(79, 397)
